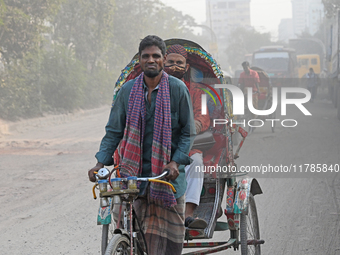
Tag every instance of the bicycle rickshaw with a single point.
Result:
(265, 95)
(265, 101)
(219, 180)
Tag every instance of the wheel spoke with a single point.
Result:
(250, 228)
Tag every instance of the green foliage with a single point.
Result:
(87, 44)
(99, 87)
(22, 23)
(2, 11)
(243, 41)
(87, 26)
(63, 79)
(42, 81)
(133, 20)
(331, 7)
(19, 88)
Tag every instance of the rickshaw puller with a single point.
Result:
(250, 78)
(151, 116)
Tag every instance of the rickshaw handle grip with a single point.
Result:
(93, 191)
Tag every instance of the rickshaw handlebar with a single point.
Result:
(143, 179)
(146, 179)
(157, 179)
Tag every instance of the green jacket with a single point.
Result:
(182, 123)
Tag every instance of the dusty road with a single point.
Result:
(47, 205)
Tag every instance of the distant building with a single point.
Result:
(315, 16)
(307, 16)
(286, 31)
(223, 16)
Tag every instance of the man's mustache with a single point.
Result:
(150, 65)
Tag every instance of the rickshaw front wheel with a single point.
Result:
(249, 229)
(119, 245)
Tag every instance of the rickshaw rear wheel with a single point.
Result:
(249, 229)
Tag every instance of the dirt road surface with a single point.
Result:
(47, 205)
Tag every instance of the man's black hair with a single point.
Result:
(245, 63)
(152, 40)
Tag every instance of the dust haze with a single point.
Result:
(59, 63)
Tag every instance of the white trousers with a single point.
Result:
(194, 176)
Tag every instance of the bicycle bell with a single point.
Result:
(103, 173)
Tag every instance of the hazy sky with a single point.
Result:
(265, 14)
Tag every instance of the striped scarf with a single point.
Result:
(131, 147)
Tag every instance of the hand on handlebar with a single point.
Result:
(172, 167)
(91, 172)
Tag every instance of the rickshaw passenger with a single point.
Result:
(151, 116)
(250, 78)
(176, 65)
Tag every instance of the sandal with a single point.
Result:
(191, 222)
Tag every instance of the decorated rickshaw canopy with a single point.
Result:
(202, 65)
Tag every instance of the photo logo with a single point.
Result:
(238, 103)
(204, 98)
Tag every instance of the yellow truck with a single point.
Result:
(307, 61)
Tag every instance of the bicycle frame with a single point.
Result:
(128, 229)
(128, 196)
(237, 196)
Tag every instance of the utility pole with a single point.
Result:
(213, 45)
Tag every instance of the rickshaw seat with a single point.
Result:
(204, 141)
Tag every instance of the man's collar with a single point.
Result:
(146, 87)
